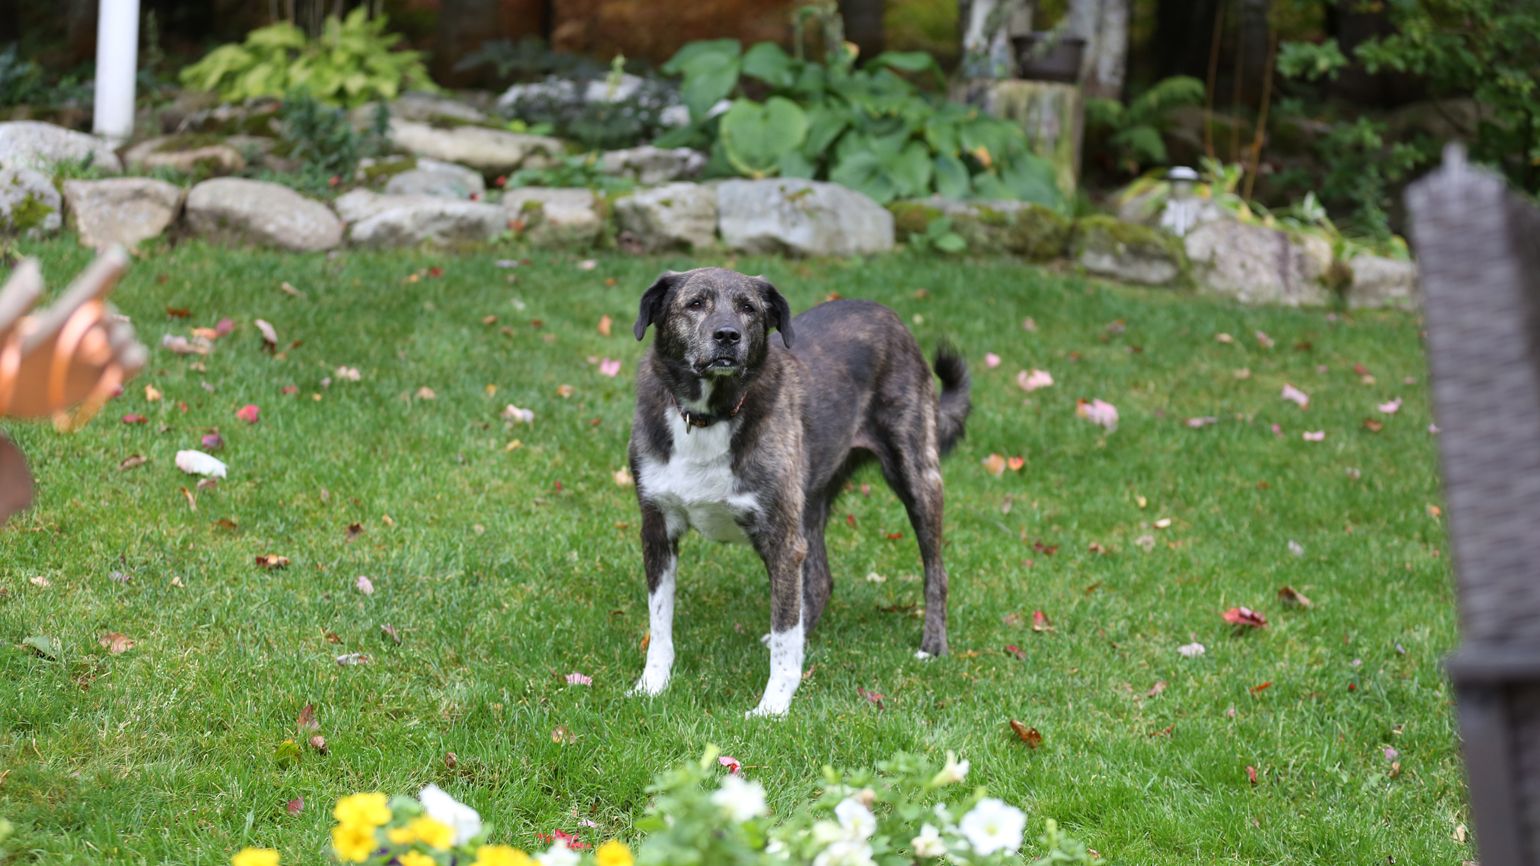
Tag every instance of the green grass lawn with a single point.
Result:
(502, 570)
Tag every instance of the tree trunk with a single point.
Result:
(864, 25)
(1103, 24)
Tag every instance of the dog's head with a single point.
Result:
(713, 320)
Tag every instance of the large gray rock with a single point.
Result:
(29, 204)
(489, 151)
(376, 220)
(1130, 252)
(801, 217)
(1381, 282)
(30, 144)
(1258, 265)
(121, 210)
(443, 179)
(419, 107)
(674, 216)
(567, 90)
(550, 216)
(235, 210)
(648, 165)
(190, 154)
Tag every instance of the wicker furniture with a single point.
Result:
(1478, 249)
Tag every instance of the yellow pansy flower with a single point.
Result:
(501, 855)
(255, 857)
(434, 834)
(370, 810)
(415, 858)
(614, 853)
(402, 835)
(353, 842)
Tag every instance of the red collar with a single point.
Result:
(701, 419)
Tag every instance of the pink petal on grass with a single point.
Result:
(1294, 395)
(577, 679)
(1034, 380)
(224, 327)
(248, 413)
(730, 763)
(1391, 407)
(1313, 435)
(364, 585)
(1098, 412)
(991, 360)
(609, 367)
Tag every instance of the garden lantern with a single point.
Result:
(1181, 211)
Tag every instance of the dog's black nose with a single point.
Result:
(727, 336)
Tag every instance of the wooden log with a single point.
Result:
(1052, 116)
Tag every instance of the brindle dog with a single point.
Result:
(745, 439)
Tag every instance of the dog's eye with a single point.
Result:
(695, 304)
(746, 308)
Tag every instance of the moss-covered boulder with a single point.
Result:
(1133, 253)
(29, 204)
(1014, 227)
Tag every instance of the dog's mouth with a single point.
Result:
(720, 365)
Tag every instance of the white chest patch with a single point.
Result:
(696, 487)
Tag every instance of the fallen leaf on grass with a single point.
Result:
(213, 441)
(1098, 412)
(151, 394)
(43, 645)
(1040, 622)
(426, 393)
(1155, 690)
(1244, 617)
(1015, 651)
(116, 642)
(390, 631)
(991, 360)
(1391, 407)
(1163, 732)
(731, 763)
(1015, 463)
(609, 367)
(198, 463)
(1373, 426)
(183, 346)
(351, 659)
(1292, 597)
(1191, 650)
(1296, 396)
(296, 805)
(290, 290)
(132, 461)
(1264, 340)
(39, 581)
(562, 736)
(577, 679)
(1251, 773)
(874, 698)
(1027, 735)
(272, 561)
(249, 413)
(1260, 687)
(134, 418)
(1313, 435)
(269, 335)
(514, 415)
(364, 585)
(349, 374)
(192, 500)
(994, 464)
(318, 742)
(605, 323)
(1202, 421)
(1033, 380)
(305, 722)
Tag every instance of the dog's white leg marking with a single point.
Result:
(785, 672)
(660, 643)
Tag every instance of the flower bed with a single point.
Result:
(906, 811)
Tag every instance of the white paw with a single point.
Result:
(768, 709)
(653, 682)
(922, 655)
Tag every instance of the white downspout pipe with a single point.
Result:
(117, 60)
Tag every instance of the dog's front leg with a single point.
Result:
(660, 557)
(783, 550)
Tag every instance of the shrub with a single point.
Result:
(619, 119)
(324, 142)
(1133, 133)
(353, 61)
(870, 128)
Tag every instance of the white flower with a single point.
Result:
(993, 826)
(954, 771)
(740, 800)
(825, 832)
(856, 820)
(558, 855)
(928, 843)
(846, 852)
(447, 810)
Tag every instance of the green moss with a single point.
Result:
(911, 218)
(533, 207)
(1038, 234)
(383, 170)
(30, 213)
(1108, 234)
(992, 216)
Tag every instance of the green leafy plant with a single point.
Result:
(353, 61)
(870, 128)
(21, 80)
(321, 138)
(1132, 133)
(529, 59)
(938, 236)
(580, 170)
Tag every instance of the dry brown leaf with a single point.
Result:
(132, 461)
(1027, 735)
(269, 335)
(305, 721)
(272, 561)
(605, 324)
(116, 643)
(1293, 597)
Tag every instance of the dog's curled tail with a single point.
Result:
(955, 400)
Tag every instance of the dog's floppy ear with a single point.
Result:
(780, 312)
(651, 309)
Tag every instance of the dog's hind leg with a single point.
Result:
(660, 556)
(915, 475)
